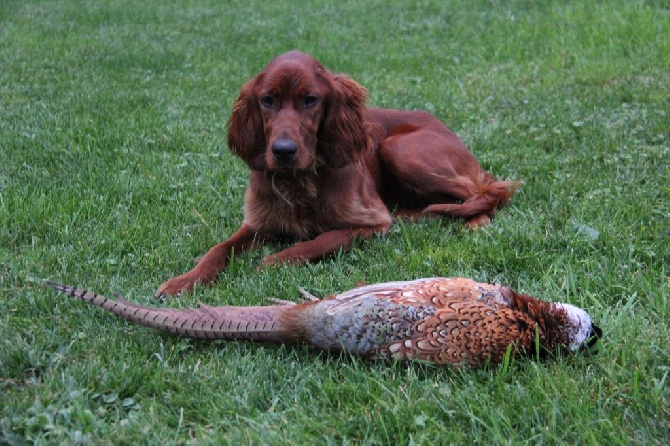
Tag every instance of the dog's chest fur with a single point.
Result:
(285, 205)
(302, 205)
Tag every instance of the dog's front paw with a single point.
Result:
(178, 285)
(478, 221)
(287, 256)
(267, 262)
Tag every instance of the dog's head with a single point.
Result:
(296, 115)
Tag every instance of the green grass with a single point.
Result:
(115, 176)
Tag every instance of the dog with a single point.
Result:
(326, 169)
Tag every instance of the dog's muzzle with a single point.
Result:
(284, 150)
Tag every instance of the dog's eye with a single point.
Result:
(311, 101)
(267, 100)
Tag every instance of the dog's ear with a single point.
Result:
(246, 137)
(344, 135)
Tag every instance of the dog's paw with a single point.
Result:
(177, 285)
(478, 221)
(267, 262)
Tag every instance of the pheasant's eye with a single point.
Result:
(267, 100)
(311, 101)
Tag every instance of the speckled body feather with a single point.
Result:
(440, 320)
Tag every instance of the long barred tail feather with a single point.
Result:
(227, 322)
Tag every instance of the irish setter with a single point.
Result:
(326, 169)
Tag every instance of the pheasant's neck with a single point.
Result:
(549, 319)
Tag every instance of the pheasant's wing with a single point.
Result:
(465, 333)
(379, 291)
(436, 291)
(443, 291)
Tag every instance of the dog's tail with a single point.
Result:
(487, 196)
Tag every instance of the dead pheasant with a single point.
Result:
(440, 320)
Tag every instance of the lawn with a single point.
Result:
(115, 175)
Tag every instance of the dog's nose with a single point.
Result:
(284, 149)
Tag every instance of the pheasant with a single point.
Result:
(439, 320)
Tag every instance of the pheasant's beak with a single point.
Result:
(596, 334)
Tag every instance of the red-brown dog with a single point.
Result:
(326, 169)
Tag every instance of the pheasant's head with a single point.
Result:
(578, 327)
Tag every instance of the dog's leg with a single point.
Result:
(323, 245)
(436, 166)
(212, 263)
